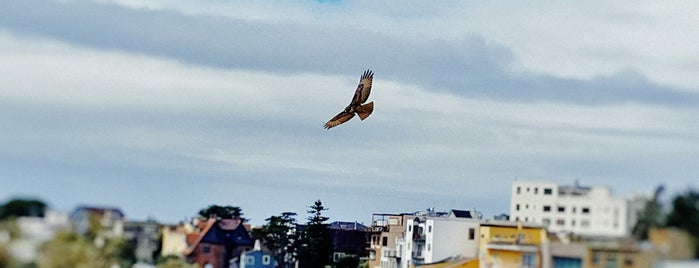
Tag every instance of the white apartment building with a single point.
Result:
(591, 211)
(431, 239)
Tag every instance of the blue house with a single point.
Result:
(257, 258)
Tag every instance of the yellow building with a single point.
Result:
(454, 263)
(510, 244)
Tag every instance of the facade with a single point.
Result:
(108, 220)
(387, 239)
(144, 234)
(430, 239)
(591, 211)
(349, 239)
(174, 240)
(257, 258)
(219, 243)
(508, 244)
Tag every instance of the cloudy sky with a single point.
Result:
(164, 107)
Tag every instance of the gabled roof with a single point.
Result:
(222, 232)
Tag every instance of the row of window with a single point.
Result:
(560, 209)
(535, 190)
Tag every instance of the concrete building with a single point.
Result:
(430, 239)
(387, 239)
(591, 211)
(508, 244)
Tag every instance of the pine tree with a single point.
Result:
(316, 247)
(279, 236)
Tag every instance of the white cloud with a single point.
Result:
(74, 109)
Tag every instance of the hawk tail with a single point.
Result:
(365, 110)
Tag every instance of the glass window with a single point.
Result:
(471, 233)
(384, 241)
(561, 209)
(548, 191)
(547, 208)
(266, 259)
(519, 190)
(249, 260)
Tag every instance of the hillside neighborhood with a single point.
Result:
(549, 225)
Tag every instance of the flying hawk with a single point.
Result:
(356, 106)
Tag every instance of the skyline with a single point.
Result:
(187, 103)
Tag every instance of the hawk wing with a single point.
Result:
(364, 88)
(339, 119)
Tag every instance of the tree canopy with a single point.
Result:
(221, 212)
(22, 207)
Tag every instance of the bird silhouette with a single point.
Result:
(357, 105)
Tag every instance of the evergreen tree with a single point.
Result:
(650, 217)
(316, 247)
(279, 236)
(221, 212)
(685, 215)
(22, 207)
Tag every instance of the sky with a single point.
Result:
(161, 108)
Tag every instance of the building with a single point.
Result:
(509, 244)
(387, 239)
(257, 258)
(102, 222)
(34, 231)
(592, 211)
(144, 235)
(219, 243)
(174, 240)
(349, 239)
(435, 237)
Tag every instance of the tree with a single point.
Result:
(316, 243)
(651, 216)
(685, 215)
(174, 262)
(279, 236)
(22, 207)
(221, 212)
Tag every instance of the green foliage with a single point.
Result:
(174, 262)
(221, 212)
(316, 243)
(350, 261)
(650, 217)
(6, 259)
(69, 249)
(685, 215)
(279, 236)
(22, 207)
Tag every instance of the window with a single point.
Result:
(471, 233)
(585, 210)
(573, 209)
(206, 249)
(519, 190)
(266, 259)
(548, 191)
(249, 260)
(546, 221)
(517, 207)
(410, 228)
(611, 260)
(429, 229)
(585, 223)
(338, 255)
(529, 260)
(561, 209)
(536, 190)
(547, 208)
(384, 241)
(560, 222)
